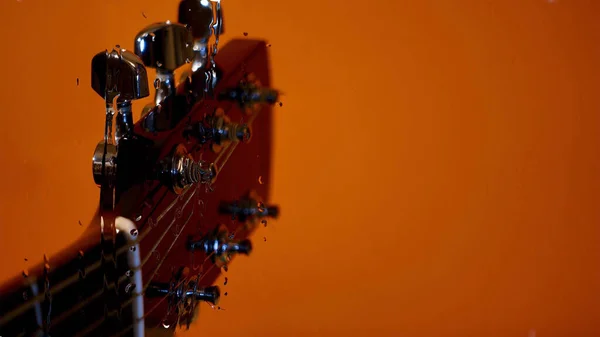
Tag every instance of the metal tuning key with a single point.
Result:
(218, 129)
(250, 94)
(179, 170)
(219, 246)
(166, 47)
(183, 291)
(119, 77)
(205, 19)
(248, 209)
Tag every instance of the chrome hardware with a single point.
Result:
(204, 18)
(248, 208)
(184, 291)
(119, 77)
(249, 94)
(166, 47)
(218, 244)
(180, 170)
(218, 130)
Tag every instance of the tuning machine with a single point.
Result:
(250, 94)
(219, 246)
(248, 209)
(166, 47)
(218, 129)
(179, 170)
(119, 77)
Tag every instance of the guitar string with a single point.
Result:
(145, 233)
(69, 281)
(252, 118)
(61, 285)
(97, 294)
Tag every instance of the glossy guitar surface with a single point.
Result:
(181, 190)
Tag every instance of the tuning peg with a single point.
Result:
(249, 94)
(218, 130)
(119, 74)
(210, 294)
(203, 17)
(245, 208)
(166, 47)
(219, 245)
(179, 170)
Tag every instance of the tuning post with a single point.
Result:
(218, 130)
(180, 170)
(119, 77)
(219, 246)
(248, 208)
(183, 292)
(249, 94)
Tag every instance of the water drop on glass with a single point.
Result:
(25, 273)
(165, 325)
(132, 248)
(157, 82)
(260, 181)
(138, 218)
(280, 103)
(129, 273)
(264, 222)
(245, 33)
(134, 232)
(225, 283)
(225, 294)
(158, 64)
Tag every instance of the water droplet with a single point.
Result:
(134, 232)
(187, 60)
(165, 324)
(158, 64)
(157, 81)
(118, 46)
(46, 266)
(132, 248)
(225, 268)
(265, 239)
(225, 283)
(245, 33)
(77, 81)
(144, 15)
(264, 222)
(25, 296)
(25, 273)
(80, 224)
(80, 253)
(260, 181)
(225, 294)
(129, 273)
(138, 218)
(168, 22)
(26, 259)
(129, 287)
(45, 258)
(269, 45)
(280, 103)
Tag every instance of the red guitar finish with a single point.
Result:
(237, 177)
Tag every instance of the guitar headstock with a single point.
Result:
(181, 189)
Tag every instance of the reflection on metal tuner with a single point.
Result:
(166, 183)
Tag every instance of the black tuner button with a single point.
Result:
(246, 208)
(218, 130)
(210, 294)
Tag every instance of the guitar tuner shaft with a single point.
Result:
(179, 170)
(219, 246)
(210, 294)
(217, 130)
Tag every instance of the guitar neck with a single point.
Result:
(66, 292)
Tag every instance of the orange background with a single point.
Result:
(437, 162)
